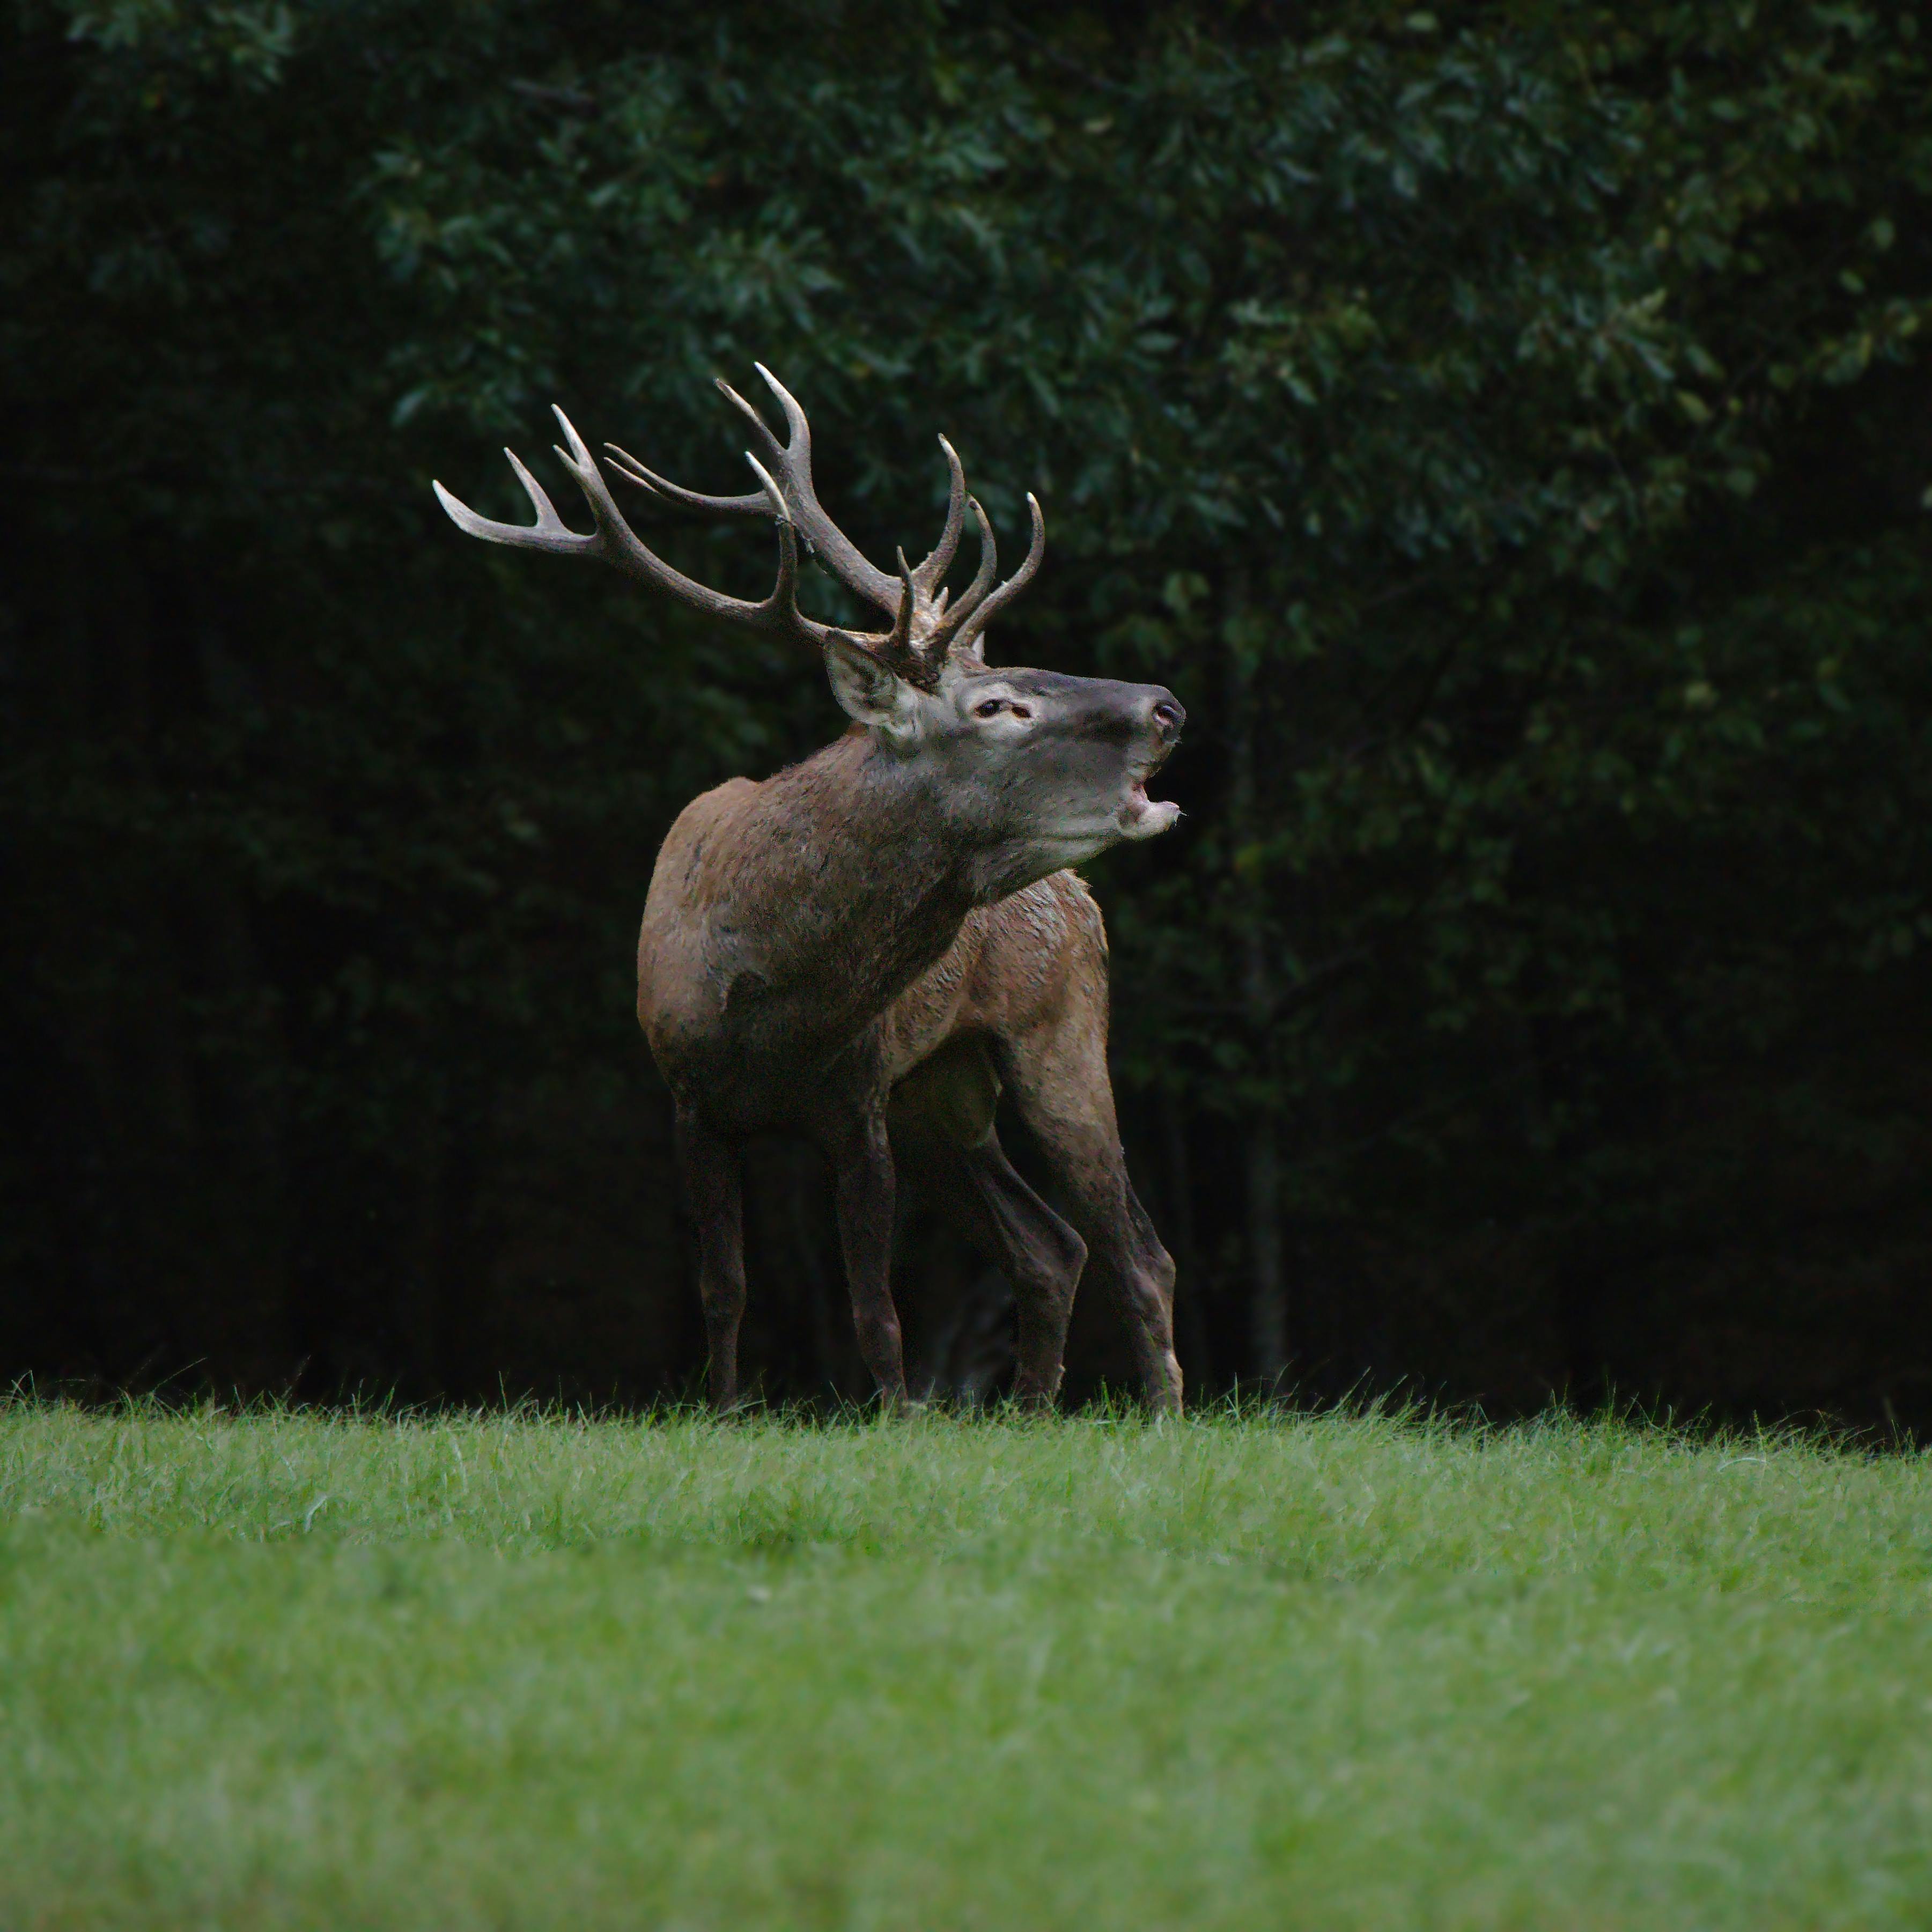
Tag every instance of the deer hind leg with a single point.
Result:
(710, 1165)
(979, 1194)
(942, 1112)
(864, 1185)
(1059, 1085)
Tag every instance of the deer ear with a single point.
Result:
(873, 693)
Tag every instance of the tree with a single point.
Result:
(1502, 426)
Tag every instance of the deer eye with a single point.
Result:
(990, 708)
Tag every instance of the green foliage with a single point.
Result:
(1504, 428)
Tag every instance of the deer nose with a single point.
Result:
(1168, 713)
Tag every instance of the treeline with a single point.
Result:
(1506, 426)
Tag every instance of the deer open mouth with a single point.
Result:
(1143, 818)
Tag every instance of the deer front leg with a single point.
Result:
(709, 1165)
(862, 1165)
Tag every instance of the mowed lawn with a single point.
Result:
(521, 1671)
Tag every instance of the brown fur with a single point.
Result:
(807, 953)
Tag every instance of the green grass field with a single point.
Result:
(509, 1672)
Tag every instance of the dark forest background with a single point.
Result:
(1506, 426)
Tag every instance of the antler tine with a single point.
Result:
(899, 644)
(829, 543)
(753, 503)
(771, 498)
(791, 462)
(619, 544)
(927, 574)
(966, 639)
(548, 533)
(798, 427)
(982, 577)
(777, 450)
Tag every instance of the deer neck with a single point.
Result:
(850, 882)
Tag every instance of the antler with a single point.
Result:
(615, 542)
(925, 630)
(967, 621)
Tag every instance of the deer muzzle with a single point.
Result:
(1139, 816)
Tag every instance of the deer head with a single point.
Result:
(1040, 769)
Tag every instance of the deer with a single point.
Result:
(872, 946)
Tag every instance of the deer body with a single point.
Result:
(774, 938)
(870, 946)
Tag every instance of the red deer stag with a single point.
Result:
(871, 945)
